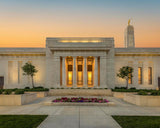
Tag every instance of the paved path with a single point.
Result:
(80, 116)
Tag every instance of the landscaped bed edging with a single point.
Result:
(140, 100)
(78, 104)
(39, 94)
(80, 92)
(17, 99)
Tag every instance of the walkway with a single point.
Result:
(80, 116)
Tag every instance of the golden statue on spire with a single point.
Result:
(129, 21)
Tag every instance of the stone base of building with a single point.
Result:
(80, 92)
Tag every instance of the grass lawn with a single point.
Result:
(138, 121)
(21, 121)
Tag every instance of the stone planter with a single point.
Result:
(121, 94)
(80, 92)
(149, 101)
(39, 94)
(17, 99)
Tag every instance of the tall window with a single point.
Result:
(69, 71)
(90, 71)
(140, 75)
(79, 71)
(149, 75)
(130, 79)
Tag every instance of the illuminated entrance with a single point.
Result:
(90, 71)
(79, 71)
(69, 71)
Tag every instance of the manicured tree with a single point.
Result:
(125, 73)
(29, 70)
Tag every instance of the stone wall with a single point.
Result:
(80, 92)
(138, 57)
(17, 99)
(11, 61)
(39, 94)
(149, 101)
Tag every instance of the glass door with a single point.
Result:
(69, 71)
(90, 71)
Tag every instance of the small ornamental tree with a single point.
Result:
(125, 73)
(29, 70)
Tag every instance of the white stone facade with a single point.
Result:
(11, 61)
(81, 62)
(103, 49)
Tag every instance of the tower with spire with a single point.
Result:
(129, 41)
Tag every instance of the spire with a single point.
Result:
(129, 36)
(129, 21)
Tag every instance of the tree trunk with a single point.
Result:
(127, 83)
(32, 82)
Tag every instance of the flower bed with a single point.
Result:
(81, 99)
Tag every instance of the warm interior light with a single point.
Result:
(79, 41)
(70, 78)
(89, 78)
(79, 78)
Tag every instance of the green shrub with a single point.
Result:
(142, 93)
(38, 87)
(27, 88)
(8, 91)
(19, 91)
(1, 91)
(120, 88)
(14, 89)
(155, 93)
(52, 88)
(133, 88)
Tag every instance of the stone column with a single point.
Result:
(103, 72)
(85, 73)
(74, 73)
(95, 72)
(57, 71)
(145, 74)
(64, 72)
(135, 74)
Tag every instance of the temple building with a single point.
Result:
(81, 62)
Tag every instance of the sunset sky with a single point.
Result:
(26, 23)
